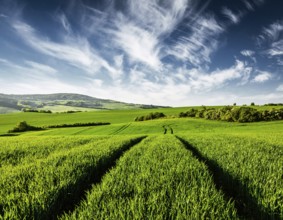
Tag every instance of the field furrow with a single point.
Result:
(27, 150)
(248, 171)
(50, 186)
(157, 179)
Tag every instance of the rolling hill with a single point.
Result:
(61, 102)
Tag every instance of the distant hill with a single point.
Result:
(61, 102)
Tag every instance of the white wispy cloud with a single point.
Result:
(142, 39)
(276, 48)
(271, 33)
(271, 41)
(140, 45)
(32, 77)
(247, 53)
(160, 18)
(248, 4)
(76, 51)
(65, 23)
(235, 18)
(250, 54)
(198, 46)
(41, 67)
(252, 4)
(216, 79)
(262, 77)
(29, 70)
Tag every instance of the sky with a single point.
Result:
(161, 52)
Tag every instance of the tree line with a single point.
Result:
(24, 126)
(235, 114)
(150, 116)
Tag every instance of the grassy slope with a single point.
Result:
(64, 108)
(7, 121)
(63, 102)
(5, 110)
(265, 133)
(122, 122)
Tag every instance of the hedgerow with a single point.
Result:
(150, 116)
(24, 126)
(235, 114)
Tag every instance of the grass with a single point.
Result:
(36, 187)
(8, 121)
(250, 169)
(216, 170)
(187, 126)
(157, 179)
(64, 108)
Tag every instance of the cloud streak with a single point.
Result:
(74, 51)
(197, 47)
(218, 78)
(271, 41)
(231, 15)
(262, 77)
(271, 33)
(247, 53)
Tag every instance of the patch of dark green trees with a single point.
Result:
(235, 114)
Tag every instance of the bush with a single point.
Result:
(29, 110)
(88, 124)
(35, 110)
(150, 116)
(45, 111)
(24, 126)
(247, 114)
(235, 114)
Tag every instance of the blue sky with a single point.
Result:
(165, 52)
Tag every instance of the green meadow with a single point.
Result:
(168, 168)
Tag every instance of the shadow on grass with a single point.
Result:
(232, 188)
(70, 197)
(8, 135)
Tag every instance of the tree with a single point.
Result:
(24, 126)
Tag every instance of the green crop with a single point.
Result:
(157, 179)
(250, 168)
(209, 170)
(47, 186)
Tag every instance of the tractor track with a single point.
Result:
(122, 128)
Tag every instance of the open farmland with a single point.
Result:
(171, 168)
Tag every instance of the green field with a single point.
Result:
(173, 168)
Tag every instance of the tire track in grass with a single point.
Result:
(167, 128)
(80, 188)
(157, 179)
(122, 128)
(56, 184)
(82, 130)
(246, 206)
